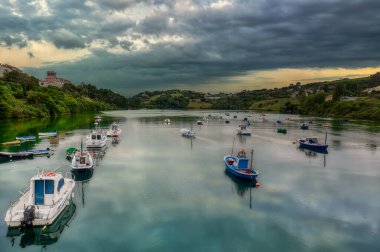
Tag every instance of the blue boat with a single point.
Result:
(239, 166)
(48, 152)
(304, 126)
(26, 138)
(312, 143)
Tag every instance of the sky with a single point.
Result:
(205, 45)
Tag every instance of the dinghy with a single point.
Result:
(114, 130)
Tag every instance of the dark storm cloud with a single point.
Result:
(197, 44)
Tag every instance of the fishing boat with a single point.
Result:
(82, 161)
(304, 126)
(114, 130)
(26, 138)
(16, 155)
(239, 166)
(312, 143)
(41, 204)
(97, 139)
(187, 133)
(243, 130)
(47, 134)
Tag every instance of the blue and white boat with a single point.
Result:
(15, 155)
(47, 152)
(47, 133)
(26, 138)
(41, 204)
(239, 166)
(312, 143)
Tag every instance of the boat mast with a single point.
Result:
(326, 138)
(251, 159)
(233, 143)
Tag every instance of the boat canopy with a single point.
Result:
(242, 163)
(45, 188)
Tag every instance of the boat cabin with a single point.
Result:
(45, 188)
(114, 127)
(312, 140)
(241, 163)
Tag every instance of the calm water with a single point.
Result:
(158, 191)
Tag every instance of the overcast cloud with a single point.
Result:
(136, 45)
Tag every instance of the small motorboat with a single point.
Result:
(115, 140)
(114, 130)
(167, 121)
(239, 166)
(199, 122)
(47, 134)
(16, 155)
(227, 121)
(243, 130)
(312, 143)
(98, 118)
(41, 204)
(26, 138)
(304, 126)
(82, 161)
(325, 125)
(48, 152)
(282, 131)
(97, 139)
(279, 121)
(235, 116)
(187, 133)
(12, 142)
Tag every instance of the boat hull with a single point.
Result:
(16, 155)
(322, 147)
(247, 174)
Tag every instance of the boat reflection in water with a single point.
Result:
(313, 154)
(98, 154)
(81, 179)
(43, 235)
(242, 186)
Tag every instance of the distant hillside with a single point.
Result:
(21, 96)
(339, 98)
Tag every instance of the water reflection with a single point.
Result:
(243, 186)
(82, 180)
(315, 154)
(43, 236)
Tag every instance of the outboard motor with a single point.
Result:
(29, 215)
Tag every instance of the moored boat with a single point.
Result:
(82, 161)
(282, 130)
(47, 133)
(114, 130)
(239, 166)
(187, 133)
(26, 138)
(16, 155)
(312, 143)
(12, 142)
(304, 126)
(243, 130)
(47, 152)
(97, 139)
(48, 195)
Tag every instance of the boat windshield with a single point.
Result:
(98, 137)
(93, 137)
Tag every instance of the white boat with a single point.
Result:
(47, 134)
(167, 121)
(48, 195)
(82, 161)
(243, 130)
(187, 133)
(114, 130)
(97, 139)
(261, 117)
